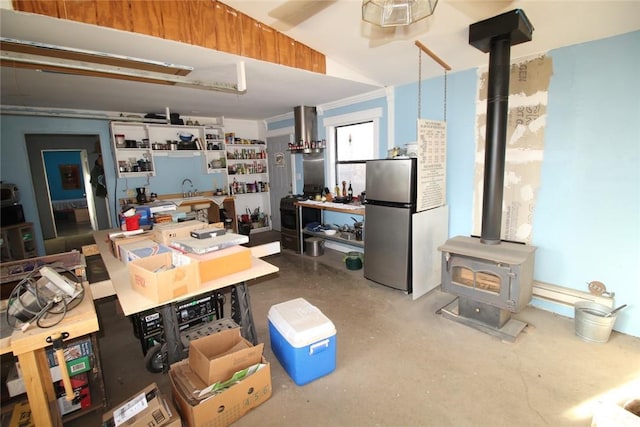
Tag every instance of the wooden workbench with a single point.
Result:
(133, 302)
(29, 347)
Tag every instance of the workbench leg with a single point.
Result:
(241, 311)
(39, 387)
(172, 341)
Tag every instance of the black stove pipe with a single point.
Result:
(496, 35)
(496, 139)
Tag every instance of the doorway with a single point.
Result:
(70, 235)
(67, 173)
(280, 175)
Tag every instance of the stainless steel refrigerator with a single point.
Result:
(390, 204)
(400, 244)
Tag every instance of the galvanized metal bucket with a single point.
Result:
(591, 323)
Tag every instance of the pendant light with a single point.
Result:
(396, 13)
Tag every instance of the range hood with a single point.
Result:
(306, 135)
(305, 123)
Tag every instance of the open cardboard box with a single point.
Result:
(164, 277)
(221, 409)
(218, 356)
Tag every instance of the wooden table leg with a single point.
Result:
(39, 387)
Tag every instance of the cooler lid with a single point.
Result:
(300, 323)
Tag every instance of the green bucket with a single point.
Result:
(353, 260)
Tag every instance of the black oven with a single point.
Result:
(289, 230)
(10, 215)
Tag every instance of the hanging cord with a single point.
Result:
(419, 83)
(445, 96)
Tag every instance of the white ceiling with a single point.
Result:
(360, 57)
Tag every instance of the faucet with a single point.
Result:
(185, 193)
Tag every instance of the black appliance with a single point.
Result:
(11, 215)
(290, 221)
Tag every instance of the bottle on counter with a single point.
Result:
(337, 190)
(350, 192)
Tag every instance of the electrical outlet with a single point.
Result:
(131, 192)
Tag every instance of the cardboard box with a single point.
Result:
(142, 249)
(81, 215)
(147, 408)
(116, 241)
(221, 263)
(225, 408)
(163, 233)
(21, 415)
(302, 339)
(218, 356)
(82, 400)
(179, 276)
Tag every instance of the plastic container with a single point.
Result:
(132, 222)
(590, 323)
(303, 340)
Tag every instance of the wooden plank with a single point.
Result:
(114, 14)
(176, 21)
(147, 17)
(35, 376)
(318, 62)
(203, 16)
(250, 36)
(286, 50)
(268, 43)
(78, 10)
(41, 7)
(72, 54)
(227, 28)
(303, 56)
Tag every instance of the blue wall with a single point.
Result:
(52, 162)
(587, 220)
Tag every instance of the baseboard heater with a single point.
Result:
(566, 296)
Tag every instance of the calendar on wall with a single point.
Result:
(432, 164)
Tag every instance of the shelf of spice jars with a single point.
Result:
(244, 185)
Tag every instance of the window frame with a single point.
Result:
(330, 123)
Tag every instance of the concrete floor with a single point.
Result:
(401, 364)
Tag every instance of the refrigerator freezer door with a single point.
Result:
(391, 181)
(387, 246)
(430, 230)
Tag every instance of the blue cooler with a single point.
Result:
(303, 340)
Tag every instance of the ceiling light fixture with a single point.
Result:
(65, 60)
(396, 13)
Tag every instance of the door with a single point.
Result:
(279, 174)
(387, 247)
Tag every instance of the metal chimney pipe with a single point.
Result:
(496, 139)
(496, 35)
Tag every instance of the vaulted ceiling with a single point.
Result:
(360, 57)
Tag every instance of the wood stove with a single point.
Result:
(491, 278)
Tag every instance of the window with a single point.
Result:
(353, 146)
(352, 140)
